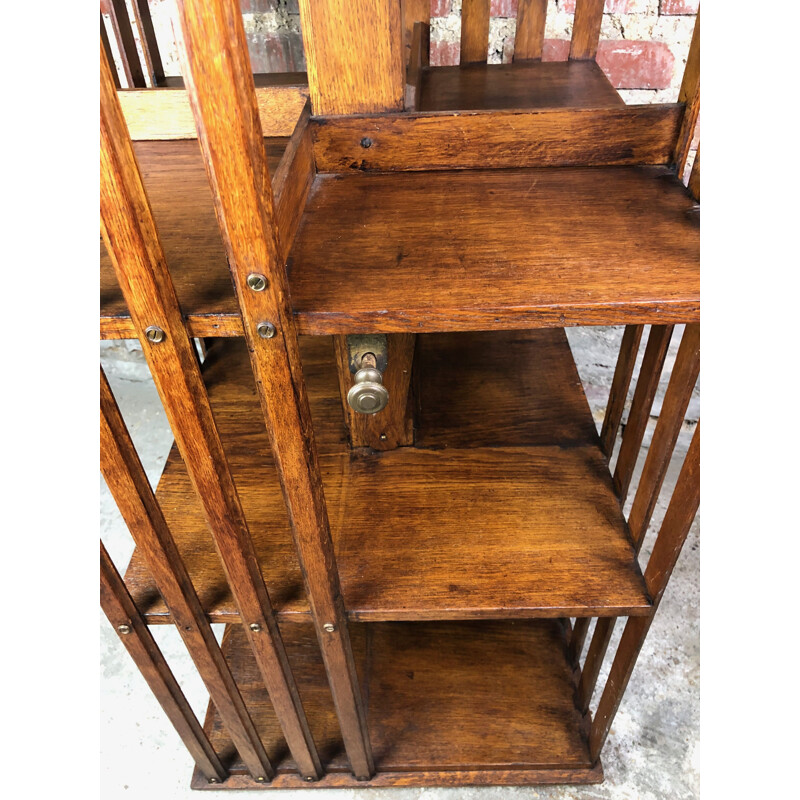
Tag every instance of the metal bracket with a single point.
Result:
(361, 344)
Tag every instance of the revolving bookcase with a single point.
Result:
(406, 592)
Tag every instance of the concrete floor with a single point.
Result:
(652, 751)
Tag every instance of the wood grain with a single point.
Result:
(690, 95)
(499, 139)
(586, 29)
(120, 610)
(594, 661)
(355, 60)
(694, 177)
(107, 51)
(413, 11)
(618, 395)
(133, 243)
(474, 31)
(126, 45)
(223, 98)
(148, 41)
(163, 114)
(419, 58)
(529, 38)
(577, 640)
(521, 85)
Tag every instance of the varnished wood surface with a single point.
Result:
(618, 394)
(461, 253)
(586, 29)
(148, 41)
(501, 693)
(505, 531)
(629, 135)
(126, 44)
(529, 36)
(523, 84)
(474, 45)
(690, 95)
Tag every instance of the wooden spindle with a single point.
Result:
(128, 484)
(136, 253)
(123, 32)
(672, 535)
(676, 401)
(474, 31)
(594, 660)
(147, 38)
(216, 69)
(646, 386)
(579, 631)
(626, 361)
(123, 615)
(690, 95)
(529, 38)
(108, 52)
(586, 29)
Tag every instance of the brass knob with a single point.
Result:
(368, 395)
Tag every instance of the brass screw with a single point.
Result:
(124, 629)
(260, 779)
(383, 437)
(213, 780)
(309, 778)
(154, 334)
(256, 282)
(266, 330)
(329, 627)
(255, 627)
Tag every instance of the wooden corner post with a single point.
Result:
(219, 81)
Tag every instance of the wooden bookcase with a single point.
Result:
(407, 594)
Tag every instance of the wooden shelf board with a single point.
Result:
(438, 251)
(490, 700)
(530, 527)
(523, 84)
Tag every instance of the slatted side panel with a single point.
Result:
(529, 38)
(147, 38)
(117, 13)
(474, 31)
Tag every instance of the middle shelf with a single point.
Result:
(490, 515)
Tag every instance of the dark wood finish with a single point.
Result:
(690, 95)
(577, 639)
(133, 243)
(694, 177)
(419, 58)
(474, 31)
(499, 139)
(594, 660)
(413, 12)
(670, 420)
(477, 677)
(529, 39)
(120, 610)
(126, 44)
(672, 535)
(107, 51)
(164, 114)
(126, 479)
(521, 85)
(586, 29)
(147, 37)
(223, 95)
(643, 396)
(394, 426)
(355, 60)
(626, 361)
(508, 531)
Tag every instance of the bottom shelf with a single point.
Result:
(448, 703)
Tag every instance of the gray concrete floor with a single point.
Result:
(652, 751)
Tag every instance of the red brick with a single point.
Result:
(445, 54)
(636, 65)
(611, 7)
(441, 8)
(503, 8)
(555, 50)
(675, 7)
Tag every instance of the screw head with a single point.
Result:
(124, 629)
(310, 778)
(213, 780)
(366, 142)
(256, 282)
(266, 330)
(329, 627)
(255, 627)
(260, 779)
(383, 437)
(154, 334)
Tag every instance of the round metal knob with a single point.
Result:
(368, 395)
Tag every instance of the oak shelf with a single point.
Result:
(503, 694)
(492, 514)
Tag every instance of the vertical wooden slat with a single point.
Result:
(108, 53)
(413, 11)
(694, 177)
(394, 426)
(123, 33)
(354, 56)
(676, 401)
(135, 249)
(147, 37)
(626, 361)
(128, 484)
(474, 31)
(594, 660)
(586, 29)
(529, 38)
(690, 95)
(677, 522)
(643, 396)
(418, 60)
(577, 639)
(119, 607)
(219, 82)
